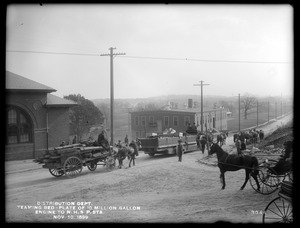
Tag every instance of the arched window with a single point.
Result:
(18, 125)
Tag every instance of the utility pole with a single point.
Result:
(268, 111)
(256, 113)
(275, 110)
(201, 102)
(239, 113)
(112, 54)
(281, 106)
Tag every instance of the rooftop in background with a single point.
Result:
(15, 82)
(188, 110)
(55, 101)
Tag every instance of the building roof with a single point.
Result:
(189, 110)
(162, 111)
(15, 82)
(55, 101)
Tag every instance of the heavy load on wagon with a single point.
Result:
(167, 144)
(69, 160)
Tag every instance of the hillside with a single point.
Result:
(279, 136)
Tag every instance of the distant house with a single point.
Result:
(35, 119)
(144, 123)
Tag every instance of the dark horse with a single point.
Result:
(129, 151)
(234, 162)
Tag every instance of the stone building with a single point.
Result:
(35, 118)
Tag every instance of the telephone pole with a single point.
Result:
(257, 113)
(239, 113)
(201, 84)
(112, 54)
(268, 111)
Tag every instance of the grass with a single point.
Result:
(251, 121)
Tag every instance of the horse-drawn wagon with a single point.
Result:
(280, 209)
(167, 144)
(69, 160)
(269, 179)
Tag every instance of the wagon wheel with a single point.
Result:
(92, 166)
(268, 182)
(110, 163)
(72, 166)
(278, 210)
(57, 172)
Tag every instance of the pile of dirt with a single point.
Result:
(279, 136)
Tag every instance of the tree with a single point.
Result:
(84, 115)
(248, 102)
(105, 109)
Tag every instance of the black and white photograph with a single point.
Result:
(149, 113)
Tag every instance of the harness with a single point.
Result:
(239, 166)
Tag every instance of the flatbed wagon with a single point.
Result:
(69, 160)
(167, 144)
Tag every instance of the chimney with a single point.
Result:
(190, 103)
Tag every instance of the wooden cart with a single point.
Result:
(69, 160)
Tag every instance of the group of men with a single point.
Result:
(241, 138)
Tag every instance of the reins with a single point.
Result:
(242, 167)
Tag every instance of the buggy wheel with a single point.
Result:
(92, 166)
(72, 166)
(57, 172)
(110, 163)
(267, 183)
(278, 210)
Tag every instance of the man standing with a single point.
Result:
(203, 142)
(238, 146)
(126, 140)
(180, 150)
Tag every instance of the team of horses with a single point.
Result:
(118, 151)
(122, 152)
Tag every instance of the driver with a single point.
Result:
(285, 162)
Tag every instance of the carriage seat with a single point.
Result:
(286, 190)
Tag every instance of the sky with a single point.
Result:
(166, 48)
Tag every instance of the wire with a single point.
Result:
(202, 60)
(52, 53)
(143, 57)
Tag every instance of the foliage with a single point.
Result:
(248, 102)
(84, 115)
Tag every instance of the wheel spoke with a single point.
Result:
(72, 166)
(278, 209)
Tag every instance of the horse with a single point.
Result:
(234, 162)
(129, 151)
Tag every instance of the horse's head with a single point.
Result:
(135, 147)
(114, 150)
(213, 149)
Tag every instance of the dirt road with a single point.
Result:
(157, 189)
